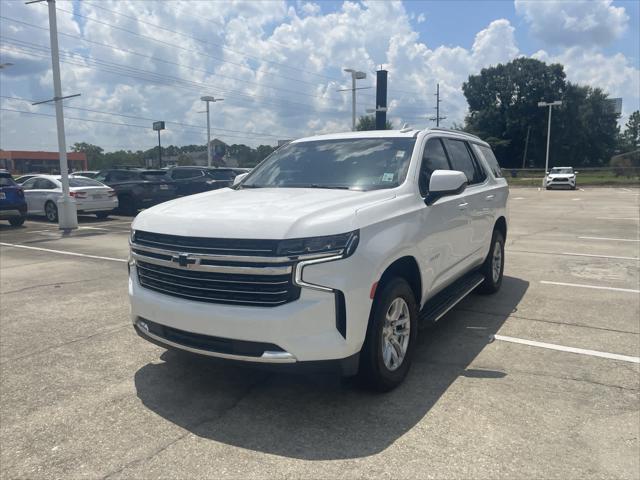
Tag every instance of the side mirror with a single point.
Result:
(445, 182)
(576, 172)
(239, 178)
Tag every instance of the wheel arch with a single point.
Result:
(501, 226)
(405, 267)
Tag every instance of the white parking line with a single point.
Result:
(579, 285)
(62, 252)
(612, 239)
(520, 198)
(617, 218)
(562, 348)
(574, 199)
(599, 256)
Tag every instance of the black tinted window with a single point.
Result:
(222, 174)
(29, 184)
(461, 160)
(434, 158)
(84, 182)
(183, 173)
(44, 184)
(491, 159)
(121, 176)
(6, 181)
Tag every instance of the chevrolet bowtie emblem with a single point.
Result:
(183, 259)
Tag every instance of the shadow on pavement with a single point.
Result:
(323, 417)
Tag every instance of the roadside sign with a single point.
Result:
(158, 125)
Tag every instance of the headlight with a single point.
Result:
(343, 244)
(132, 237)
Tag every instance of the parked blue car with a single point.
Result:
(13, 206)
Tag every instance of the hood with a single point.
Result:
(261, 213)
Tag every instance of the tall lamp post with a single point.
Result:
(355, 75)
(209, 99)
(546, 161)
(159, 126)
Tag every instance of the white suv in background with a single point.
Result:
(561, 177)
(328, 254)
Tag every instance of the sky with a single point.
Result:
(278, 65)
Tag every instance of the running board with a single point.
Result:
(442, 302)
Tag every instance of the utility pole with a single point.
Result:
(209, 99)
(546, 162)
(355, 75)
(66, 205)
(437, 118)
(526, 147)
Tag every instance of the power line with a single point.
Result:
(146, 127)
(157, 77)
(169, 62)
(207, 42)
(134, 117)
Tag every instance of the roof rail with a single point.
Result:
(451, 130)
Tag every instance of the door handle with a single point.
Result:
(463, 206)
(489, 197)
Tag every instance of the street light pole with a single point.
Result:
(355, 75)
(546, 162)
(207, 99)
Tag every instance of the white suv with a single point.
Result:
(328, 254)
(561, 177)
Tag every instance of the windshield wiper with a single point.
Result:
(317, 185)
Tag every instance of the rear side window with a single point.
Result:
(181, 174)
(44, 184)
(433, 158)
(6, 181)
(490, 158)
(222, 174)
(462, 160)
(122, 176)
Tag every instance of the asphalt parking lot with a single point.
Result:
(82, 396)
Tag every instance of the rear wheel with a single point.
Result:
(17, 221)
(388, 349)
(51, 211)
(493, 267)
(102, 215)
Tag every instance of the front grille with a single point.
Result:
(560, 179)
(216, 287)
(214, 246)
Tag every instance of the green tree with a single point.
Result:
(503, 104)
(629, 140)
(368, 122)
(94, 153)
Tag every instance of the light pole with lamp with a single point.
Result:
(355, 75)
(208, 99)
(546, 161)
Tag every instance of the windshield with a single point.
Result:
(359, 164)
(84, 182)
(562, 170)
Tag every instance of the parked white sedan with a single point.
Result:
(43, 191)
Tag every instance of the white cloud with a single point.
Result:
(277, 66)
(574, 22)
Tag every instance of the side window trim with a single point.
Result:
(422, 159)
(477, 165)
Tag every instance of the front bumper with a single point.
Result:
(304, 330)
(552, 182)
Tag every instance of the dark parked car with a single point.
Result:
(13, 206)
(190, 180)
(138, 189)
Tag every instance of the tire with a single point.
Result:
(378, 371)
(493, 267)
(127, 205)
(17, 221)
(102, 215)
(51, 211)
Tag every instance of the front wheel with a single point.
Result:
(391, 337)
(51, 211)
(493, 267)
(17, 221)
(102, 215)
